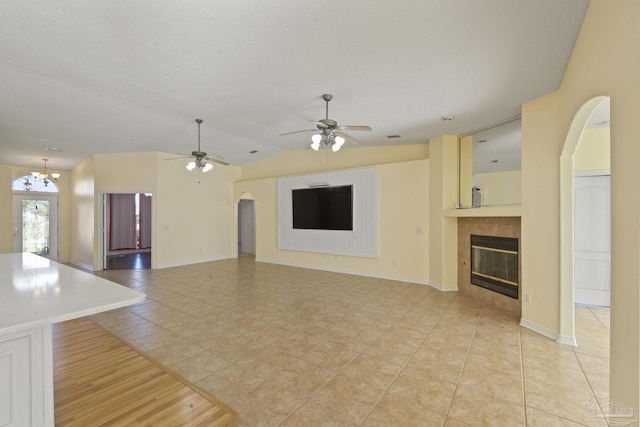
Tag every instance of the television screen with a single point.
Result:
(323, 208)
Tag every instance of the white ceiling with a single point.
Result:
(122, 76)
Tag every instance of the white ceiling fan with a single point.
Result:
(201, 160)
(330, 132)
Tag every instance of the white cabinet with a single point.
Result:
(26, 378)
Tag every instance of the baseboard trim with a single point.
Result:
(355, 273)
(539, 329)
(82, 265)
(443, 288)
(571, 341)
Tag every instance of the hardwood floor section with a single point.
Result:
(99, 380)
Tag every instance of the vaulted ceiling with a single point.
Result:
(84, 77)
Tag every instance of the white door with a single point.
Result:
(35, 225)
(592, 240)
(246, 227)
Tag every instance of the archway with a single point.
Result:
(567, 298)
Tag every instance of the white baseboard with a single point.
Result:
(548, 333)
(567, 340)
(355, 273)
(443, 288)
(82, 265)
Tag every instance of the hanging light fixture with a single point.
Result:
(327, 138)
(44, 175)
(200, 160)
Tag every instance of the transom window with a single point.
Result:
(31, 183)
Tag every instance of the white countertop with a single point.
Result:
(35, 291)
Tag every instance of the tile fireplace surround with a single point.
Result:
(486, 226)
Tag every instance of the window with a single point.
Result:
(31, 183)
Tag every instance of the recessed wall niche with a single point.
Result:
(362, 241)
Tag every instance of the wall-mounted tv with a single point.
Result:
(323, 208)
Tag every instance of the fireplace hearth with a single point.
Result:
(494, 264)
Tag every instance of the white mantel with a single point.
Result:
(35, 293)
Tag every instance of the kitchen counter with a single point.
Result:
(35, 293)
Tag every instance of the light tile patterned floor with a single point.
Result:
(296, 347)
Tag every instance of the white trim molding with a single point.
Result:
(571, 341)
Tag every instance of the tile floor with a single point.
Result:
(288, 346)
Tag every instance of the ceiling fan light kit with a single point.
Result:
(330, 132)
(200, 158)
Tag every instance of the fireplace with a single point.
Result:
(494, 264)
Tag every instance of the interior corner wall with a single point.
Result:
(443, 231)
(6, 211)
(403, 233)
(541, 214)
(605, 61)
(82, 214)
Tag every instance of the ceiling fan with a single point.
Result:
(201, 160)
(330, 132)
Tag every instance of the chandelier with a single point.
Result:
(45, 176)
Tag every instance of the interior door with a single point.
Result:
(35, 225)
(592, 240)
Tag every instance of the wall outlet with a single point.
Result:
(527, 297)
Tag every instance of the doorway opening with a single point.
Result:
(585, 214)
(246, 225)
(127, 231)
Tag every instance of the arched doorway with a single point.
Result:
(567, 218)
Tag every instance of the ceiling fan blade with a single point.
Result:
(178, 158)
(320, 124)
(298, 131)
(350, 127)
(348, 138)
(220, 162)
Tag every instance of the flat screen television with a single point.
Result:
(323, 208)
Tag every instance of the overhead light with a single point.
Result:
(200, 160)
(44, 175)
(328, 138)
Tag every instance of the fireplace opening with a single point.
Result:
(494, 264)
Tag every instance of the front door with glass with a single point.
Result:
(35, 225)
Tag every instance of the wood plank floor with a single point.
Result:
(99, 380)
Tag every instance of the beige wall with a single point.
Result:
(192, 212)
(605, 61)
(443, 195)
(306, 161)
(594, 151)
(500, 188)
(403, 235)
(83, 214)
